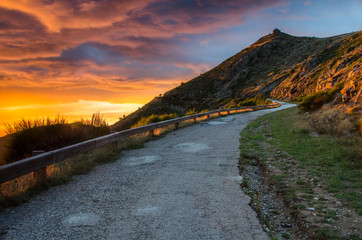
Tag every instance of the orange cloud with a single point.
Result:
(58, 15)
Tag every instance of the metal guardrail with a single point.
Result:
(38, 163)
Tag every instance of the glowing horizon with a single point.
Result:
(70, 111)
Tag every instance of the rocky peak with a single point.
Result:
(276, 31)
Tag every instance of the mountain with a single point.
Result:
(278, 65)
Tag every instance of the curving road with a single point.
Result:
(183, 186)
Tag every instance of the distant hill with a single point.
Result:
(278, 65)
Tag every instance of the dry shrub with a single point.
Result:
(316, 100)
(332, 121)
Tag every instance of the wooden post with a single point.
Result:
(41, 174)
(208, 116)
(194, 120)
(219, 114)
(228, 112)
(151, 133)
(177, 125)
(115, 143)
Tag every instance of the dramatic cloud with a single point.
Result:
(72, 44)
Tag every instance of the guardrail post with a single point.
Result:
(219, 114)
(208, 116)
(194, 120)
(228, 112)
(151, 133)
(41, 174)
(176, 125)
(115, 143)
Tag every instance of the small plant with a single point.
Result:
(153, 119)
(191, 112)
(324, 233)
(97, 120)
(204, 110)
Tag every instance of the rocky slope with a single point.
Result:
(278, 65)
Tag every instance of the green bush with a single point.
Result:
(153, 119)
(318, 99)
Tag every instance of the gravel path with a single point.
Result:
(183, 186)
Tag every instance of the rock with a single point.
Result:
(314, 134)
(286, 225)
(276, 31)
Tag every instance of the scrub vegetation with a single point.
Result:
(47, 134)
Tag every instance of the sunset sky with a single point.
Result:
(77, 57)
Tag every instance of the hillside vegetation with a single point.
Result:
(277, 65)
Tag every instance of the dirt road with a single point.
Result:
(183, 186)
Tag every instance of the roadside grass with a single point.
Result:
(310, 172)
